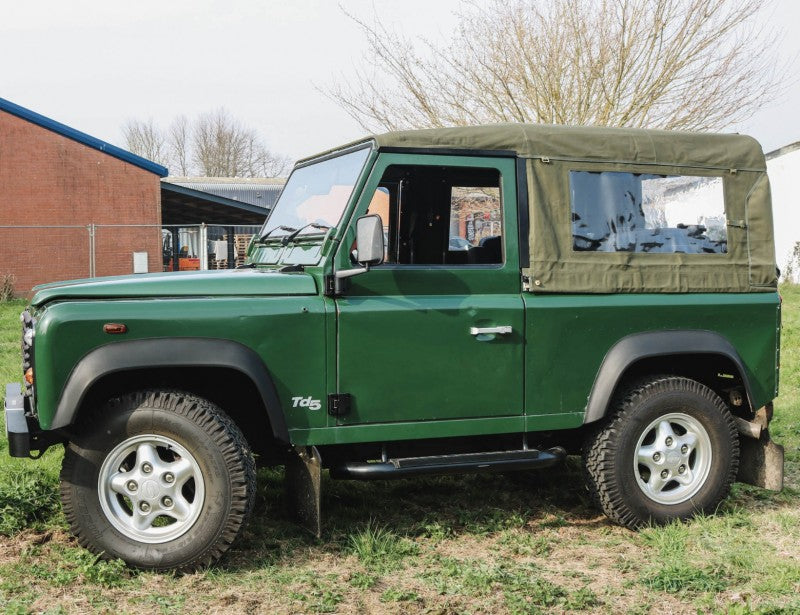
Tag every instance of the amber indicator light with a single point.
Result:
(115, 328)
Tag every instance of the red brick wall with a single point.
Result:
(48, 179)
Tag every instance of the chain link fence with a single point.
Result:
(32, 255)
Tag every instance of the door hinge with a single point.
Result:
(339, 404)
(335, 287)
(737, 223)
(330, 286)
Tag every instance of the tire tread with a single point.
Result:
(602, 441)
(225, 434)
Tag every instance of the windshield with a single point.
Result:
(316, 194)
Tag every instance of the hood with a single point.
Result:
(251, 282)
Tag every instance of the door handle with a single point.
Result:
(501, 330)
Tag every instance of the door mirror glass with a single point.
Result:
(369, 240)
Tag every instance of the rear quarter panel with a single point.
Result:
(569, 335)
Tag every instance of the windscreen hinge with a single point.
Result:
(339, 404)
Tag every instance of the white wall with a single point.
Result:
(784, 177)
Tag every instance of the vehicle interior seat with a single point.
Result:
(489, 251)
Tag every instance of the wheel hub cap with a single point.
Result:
(673, 458)
(151, 489)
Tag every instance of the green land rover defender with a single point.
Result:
(490, 298)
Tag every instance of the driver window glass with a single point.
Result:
(440, 215)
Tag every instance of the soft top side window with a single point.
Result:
(437, 215)
(638, 212)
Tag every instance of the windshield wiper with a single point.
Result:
(289, 238)
(280, 227)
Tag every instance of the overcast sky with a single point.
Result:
(93, 64)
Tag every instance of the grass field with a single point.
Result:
(473, 544)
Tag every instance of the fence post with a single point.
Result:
(176, 250)
(231, 247)
(92, 255)
(203, 246)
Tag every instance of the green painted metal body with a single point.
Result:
(399, 338)
(220, 283)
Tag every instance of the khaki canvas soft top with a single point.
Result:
(717, 151)
(551, 152)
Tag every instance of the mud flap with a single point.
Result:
(761, 462)
(303, 488)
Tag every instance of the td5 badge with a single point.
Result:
(306, 402)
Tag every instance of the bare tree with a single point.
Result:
(223, 146)
(145, 139)
(216, 145)
(178, 143)
(260, 162)
(673, 64)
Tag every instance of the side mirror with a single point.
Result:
(369, 240)
(369, 249)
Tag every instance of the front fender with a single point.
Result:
(168, 352)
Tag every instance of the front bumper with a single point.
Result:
(22, 428)
(17, 431)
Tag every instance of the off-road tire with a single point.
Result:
(219, 451)
(610, 448)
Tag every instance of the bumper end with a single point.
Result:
(19, 436)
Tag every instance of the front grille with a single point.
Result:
(28, 322)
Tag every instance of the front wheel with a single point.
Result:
(669, 450)
(160, 479)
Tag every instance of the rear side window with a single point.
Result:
(638, 212)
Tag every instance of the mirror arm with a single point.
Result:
(339, 279)
(349, 273)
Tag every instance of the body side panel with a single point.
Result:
(568, 337)
(286, 333)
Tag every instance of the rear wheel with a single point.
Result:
(160, 479)
(669, 450)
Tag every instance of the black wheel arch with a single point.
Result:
(165, 353)
(639, 348)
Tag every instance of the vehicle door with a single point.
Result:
(436, 331)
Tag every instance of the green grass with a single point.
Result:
(379, 549)
(28, 498)
(28, 491)
(453, 544)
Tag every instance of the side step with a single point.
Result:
(496, 461)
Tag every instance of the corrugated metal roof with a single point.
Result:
(261, 192)
(182, 205)
(81, 137)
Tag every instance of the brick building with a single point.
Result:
(55, 184)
